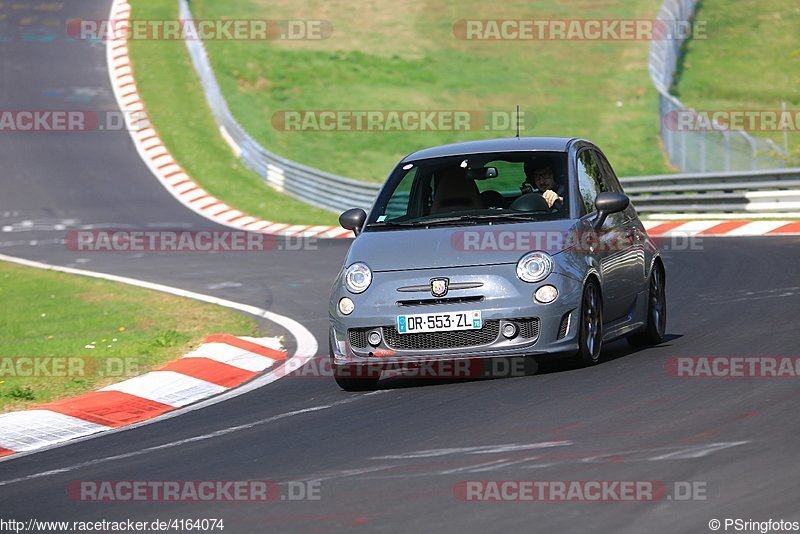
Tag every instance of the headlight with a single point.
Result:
(357, 277)
(534, 267)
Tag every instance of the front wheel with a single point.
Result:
(590, 338)
(656, 326)
(353, 377)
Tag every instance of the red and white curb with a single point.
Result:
(168, 171)
(711, 228)
(221, 363)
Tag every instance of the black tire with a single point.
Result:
(354, 377)
(656, 326)
(590, 336)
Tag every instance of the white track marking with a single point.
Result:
(483, 449)
(486, 466)
(697, 451)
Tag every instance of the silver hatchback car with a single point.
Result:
(494, 248)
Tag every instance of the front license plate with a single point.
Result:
(439, 322)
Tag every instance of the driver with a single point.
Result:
(539, 177)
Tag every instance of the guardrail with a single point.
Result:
(706, 150)
(313, 186)
(776, 191)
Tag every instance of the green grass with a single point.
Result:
(49, 314)
(390, 55)
(750, 60)
(177, 108)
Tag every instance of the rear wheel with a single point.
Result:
(590, 337)
(656, 326)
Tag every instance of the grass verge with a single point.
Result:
(110, 331)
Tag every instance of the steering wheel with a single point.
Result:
(532, 202)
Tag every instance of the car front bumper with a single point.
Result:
(548, 328)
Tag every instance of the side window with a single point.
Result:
(590, 179)
(614, 185)
(610, 177)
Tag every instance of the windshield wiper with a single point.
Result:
(478, 219)
(471, 219)
(425, 222)
(391, 224)
(507, 216)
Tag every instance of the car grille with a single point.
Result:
(358, 337)
(442, 340)
(528, 328)
(562, 329)
(449, 300)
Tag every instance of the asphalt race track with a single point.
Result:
(390, 459)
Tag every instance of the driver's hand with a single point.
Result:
(551, 197)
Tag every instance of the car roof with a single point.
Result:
(509, 144)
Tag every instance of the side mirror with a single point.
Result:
(353, 219)
(608, 203)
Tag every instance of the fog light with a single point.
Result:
(509, 330)
(546, 294)
(374, 338)
(346, 306)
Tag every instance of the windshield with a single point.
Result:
(474, 189)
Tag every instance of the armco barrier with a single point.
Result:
(776, 191)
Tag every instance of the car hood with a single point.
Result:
(441, 247)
